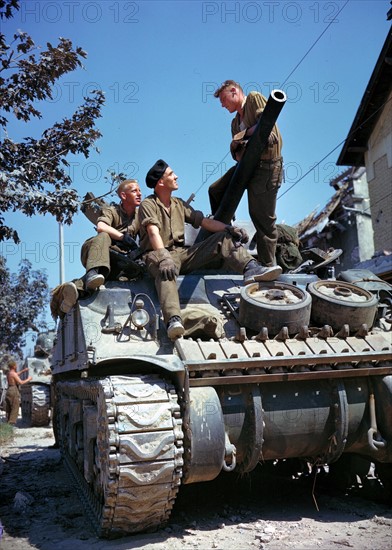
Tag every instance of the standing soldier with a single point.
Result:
(264, 184)
(12, 396)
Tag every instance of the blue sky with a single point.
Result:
(159, 63)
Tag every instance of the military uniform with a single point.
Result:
(263, 185)
(216, 250)
(95, 252)
(12, 403)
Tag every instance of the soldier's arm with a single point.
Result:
(155, 237)
(103, 227)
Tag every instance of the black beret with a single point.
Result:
(155, 173)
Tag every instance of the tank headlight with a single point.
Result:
(140, 317)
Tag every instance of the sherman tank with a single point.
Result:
(36, 395)
(297, 369)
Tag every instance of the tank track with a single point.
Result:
(121, 438)
(35, 404)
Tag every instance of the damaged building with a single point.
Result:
(344, 223)
(358, 218)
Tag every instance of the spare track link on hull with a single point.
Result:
(121, 437)
(35, 404)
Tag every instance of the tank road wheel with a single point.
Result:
(337, 303)
(274, 305)
(129, 430)
(35, 404)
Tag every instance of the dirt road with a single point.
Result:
(40, 509)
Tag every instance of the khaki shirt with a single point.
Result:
(116, 217)
(254, 105)
(170, 221)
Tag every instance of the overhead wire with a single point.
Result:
(285, 80)
(314, 43)
(343, 216)
(210, 174)
(334, 149)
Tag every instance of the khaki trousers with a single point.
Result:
(262, 194)
(12, 404)
(95, 252)
(218, 250)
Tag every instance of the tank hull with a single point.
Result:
(137, 415)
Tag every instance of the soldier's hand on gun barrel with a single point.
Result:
(238, 234)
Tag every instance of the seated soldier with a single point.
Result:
(117, 227)
(162, 218)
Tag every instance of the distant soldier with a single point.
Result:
(12, 396)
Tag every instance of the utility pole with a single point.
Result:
(61, 250)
